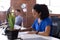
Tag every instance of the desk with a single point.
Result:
(2, 37)
(26, 36)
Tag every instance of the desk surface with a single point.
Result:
(26, 36)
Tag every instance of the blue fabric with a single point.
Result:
(18, 20)
(41, 27)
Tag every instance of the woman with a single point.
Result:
(42, 24)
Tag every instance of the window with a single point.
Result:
(53, 5)
(42, 2)
(4, 5)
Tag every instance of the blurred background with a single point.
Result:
(26, 8)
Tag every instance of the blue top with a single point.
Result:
(43, 24)
(18, 20)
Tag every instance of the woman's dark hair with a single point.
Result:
(42, 9)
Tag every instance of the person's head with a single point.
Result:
(41, 10)
(17, 12)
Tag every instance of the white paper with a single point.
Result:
(17, 27)
(22, 28)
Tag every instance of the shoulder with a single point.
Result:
(47, 21)
(19, 17)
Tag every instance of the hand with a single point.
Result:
(32, 32)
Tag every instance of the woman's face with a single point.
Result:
(35, 14)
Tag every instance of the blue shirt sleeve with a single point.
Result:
(46, 24)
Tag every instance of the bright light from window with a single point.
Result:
(4, 5)
(42, 2)
(53, 5)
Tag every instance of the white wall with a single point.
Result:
(4, 5)
(42, 2)
(53, 5)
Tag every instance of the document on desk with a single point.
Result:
(2, 37)
(19, 27)
(26, 36)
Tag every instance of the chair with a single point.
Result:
(56, 27)
(59, 29)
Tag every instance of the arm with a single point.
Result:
(31, 28)
(27, 29)
(46, 33)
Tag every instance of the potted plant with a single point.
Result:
(12, 33)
